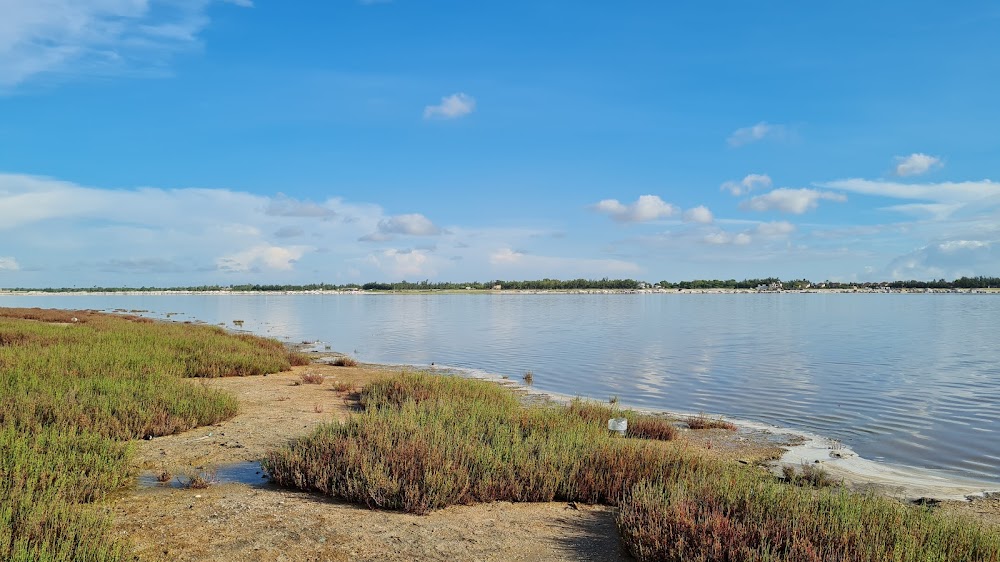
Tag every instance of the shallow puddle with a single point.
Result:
(248, 472)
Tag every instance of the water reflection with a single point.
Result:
(249, 473)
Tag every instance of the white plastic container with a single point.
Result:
(618, 425)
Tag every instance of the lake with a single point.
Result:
(905, 379)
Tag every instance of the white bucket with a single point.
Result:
(618, 425)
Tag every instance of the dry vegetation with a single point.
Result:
(311, 378)
(701, 421)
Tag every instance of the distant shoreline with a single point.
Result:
(338, 292)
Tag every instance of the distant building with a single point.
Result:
(497, 287)
(770, 288)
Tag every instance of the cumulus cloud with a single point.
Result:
(9, 264)
(262, 256)
(747, 184)
(95, 37)
(948, 259)
(699, 214)
(413, 224)
(205, 230)
(646, 208)
(764, 232)
(794, 201)
(754, 133)
(451, 107)
(916, 164)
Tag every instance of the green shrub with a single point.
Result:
(423, 442)
(747, 516)
(75, 387)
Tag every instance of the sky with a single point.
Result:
(189, 142)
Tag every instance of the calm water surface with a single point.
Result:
(908, 379)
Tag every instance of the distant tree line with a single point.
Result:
(550, 284)
(719, 284)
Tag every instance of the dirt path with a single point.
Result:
(244, 522)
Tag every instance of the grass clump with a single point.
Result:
(76, 386)
(748, 516)
(810, 476)
(642, 426)
(345, 361)
(422, 442)
(342, 386)
(311, 378)
(299, 359)
(200, 479)
(701, 421)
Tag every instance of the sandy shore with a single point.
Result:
(162, 292)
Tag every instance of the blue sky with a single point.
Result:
(196, 141)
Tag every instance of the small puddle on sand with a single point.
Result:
(248, 472)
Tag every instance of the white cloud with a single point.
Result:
(400, 264)
(944, 200)
(724, 238)
(699, 214)
(451, 107)
(95, 37)
(9, 264)
(410, 225)
(747, 184)
(646, 208)
(959, 192)
(505, 256)
(413, 225)
(720, 237)
(758, 132)
(269, 257)
(193, 232)
(948, 260)
(916, 164)
(794, 201)
(774, 229)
